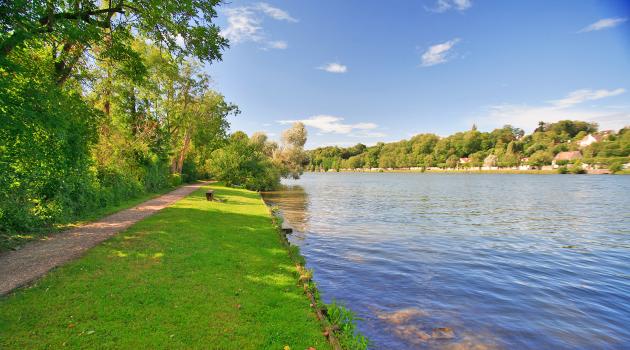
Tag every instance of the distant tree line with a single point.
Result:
(508, 146)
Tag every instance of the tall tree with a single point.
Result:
(291, 153)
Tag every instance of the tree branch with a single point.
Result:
(85, 16)
(47, 21)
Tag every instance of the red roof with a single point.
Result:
(571, 155)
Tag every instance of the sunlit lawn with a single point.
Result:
(197, 275)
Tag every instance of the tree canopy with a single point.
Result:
(70, 28)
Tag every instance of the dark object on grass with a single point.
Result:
(211, 198)
(286, 228)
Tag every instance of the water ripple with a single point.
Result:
(470, 261)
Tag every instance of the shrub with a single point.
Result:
(562, 162)
(577, 168)
(540, 158)
(615, 167)
(45, 138)
(174, 180)
(240, 163)
(345, 320)
(156, 175)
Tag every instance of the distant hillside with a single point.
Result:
(508, 146)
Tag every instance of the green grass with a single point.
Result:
(199, 274)
(9, 241)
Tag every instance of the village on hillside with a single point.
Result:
(563, 147)
(569, 159)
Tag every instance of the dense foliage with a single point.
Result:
(257, 163)
(69, 28)
(101, 102)
(45, 138)
(504, 147)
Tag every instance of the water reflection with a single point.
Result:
(293, 203)
(470, 261)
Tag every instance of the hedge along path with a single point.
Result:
(35, 259)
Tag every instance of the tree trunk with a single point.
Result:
(65, 66)
(184, 150)
(187, 134)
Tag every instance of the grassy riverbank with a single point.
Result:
(196, 275)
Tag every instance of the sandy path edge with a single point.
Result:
(35, 259)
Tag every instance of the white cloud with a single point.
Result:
(445, 5)
(245, 24)
(334, 125)
(583, 95)
(279, 44)
(462, 4)
(528, 116)
(334, 68)
(603, 24)
(439, 53)
(275, 12)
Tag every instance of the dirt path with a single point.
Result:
(35, 259)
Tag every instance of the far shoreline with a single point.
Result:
(468, 171)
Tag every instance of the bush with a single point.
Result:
(345, 320)
(563, 170)
(190, 173)
(45, 138)
(156, 175)
(540, 158)
(615, 167)
(577, 168)
(175, 180)
(241, 164)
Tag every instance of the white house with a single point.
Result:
(589, 140)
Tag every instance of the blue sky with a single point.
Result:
(367, 71)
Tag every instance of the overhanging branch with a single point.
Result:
(84, 15)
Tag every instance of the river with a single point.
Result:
(470, 261)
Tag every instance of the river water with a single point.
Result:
(470, 261)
